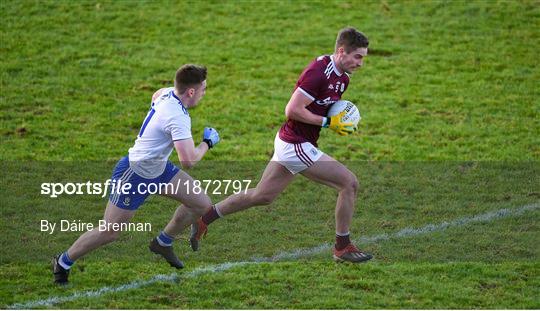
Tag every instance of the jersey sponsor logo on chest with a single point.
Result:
(325, 102)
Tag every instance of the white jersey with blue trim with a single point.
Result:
(168, 120)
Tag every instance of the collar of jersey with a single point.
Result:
(178, 99)
(334, 66)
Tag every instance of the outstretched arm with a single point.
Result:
(188, 154)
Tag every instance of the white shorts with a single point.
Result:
(295, 157)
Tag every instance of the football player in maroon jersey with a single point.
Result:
(320, 85)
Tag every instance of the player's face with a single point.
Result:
(349, 62)
(197, 93)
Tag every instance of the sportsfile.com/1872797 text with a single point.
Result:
(114, 186)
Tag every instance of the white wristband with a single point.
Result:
(324, 120)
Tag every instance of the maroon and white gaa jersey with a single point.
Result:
(323, 84)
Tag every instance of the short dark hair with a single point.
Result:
(188, 76)
(351, 39)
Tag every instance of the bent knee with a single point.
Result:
(201, 205)
(351, 184)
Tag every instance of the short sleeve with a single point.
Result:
(179, 126)
(310, 83)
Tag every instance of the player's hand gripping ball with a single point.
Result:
(344, 117)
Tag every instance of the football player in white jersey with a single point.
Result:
(167, 126)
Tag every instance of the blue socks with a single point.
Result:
(64, 261)
(164, 239)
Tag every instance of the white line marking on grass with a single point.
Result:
(172, 278)
(408, 232)
(295, 254)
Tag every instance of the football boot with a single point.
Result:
(60, 274)
(167, 253)
(351, 254)
(198, 230)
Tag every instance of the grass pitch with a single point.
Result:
(450, 130)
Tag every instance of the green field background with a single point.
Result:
(450, 128)
(445, 80)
